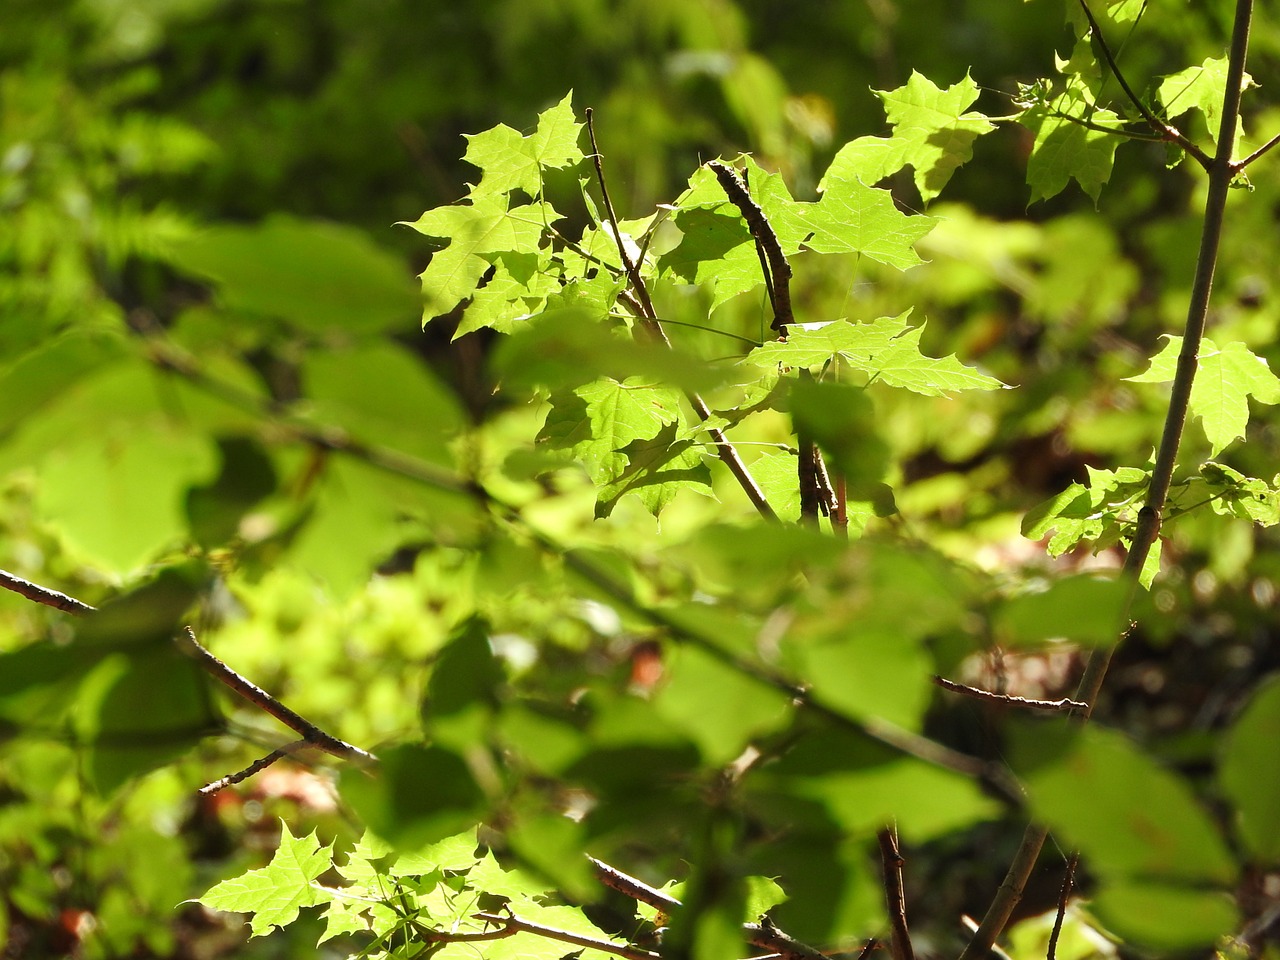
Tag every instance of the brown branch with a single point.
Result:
(515, 923)
(762, 231)
(1165, 130)
(895, 901)
(1065, 704)
(1266, 148)
(615, 879)
(250, 691)
(867, 948)
(43, 595)
(1068, 879)
(258, 765)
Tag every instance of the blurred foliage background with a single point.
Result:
(151, 149)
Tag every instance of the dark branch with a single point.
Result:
(895, 901)
(778, 277)
(43, 595)
(1068, 879)
(250, 691)
(258, 765)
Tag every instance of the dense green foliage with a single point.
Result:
(649, 542)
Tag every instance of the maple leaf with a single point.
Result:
(1200, 88)
(275, 893)
(486, 226)
(886, 349)
(932, 134)
(598, 421)
(511, 161)
(657, 469)
(1226, 378)
(1065, 148)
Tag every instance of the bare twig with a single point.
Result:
(1166, 131)
(1064, 894)
(1239, 165)
(258, 765)
(635, 889)
(868, 947)
(515, 924)
(1064, 704)
(250, 691)
(43, 595)
(895, 901)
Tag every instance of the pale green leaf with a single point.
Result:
(657, 469)
(595, 422)
(483, 228)
(1086, 609)
(275, 893)
(885, 349)
(1225, 380)
(1199, 88)
(1064, 148)
(932, 134)
(854, 218)
(511, 161)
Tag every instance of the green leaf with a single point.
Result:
(1165, 917)
(1107, 507)
(716, 249)
(275, 893)
(1200, 88)
(841, 419)
(724, 724)
(476, 232)
(854, 218)
(421, 794)
(511, 161)
(885, 349)
(1132, 819)
(316, 275)
(597, 422)
(1064, 148)
(1248, 775)
(1225, 380)
(657, 470)
(1235, 495)
(932, 134)
(1086, 608)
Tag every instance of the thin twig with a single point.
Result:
(1165, 130)
(1064, 704)
(43, 595)
(269, 704)
(1239, 165)
(1063, 895)
(258, 765)
(638, 890)
(895, 900)
(515, 923)
(867, 948)
(643, 306)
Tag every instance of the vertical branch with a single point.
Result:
(1068, 878)
(891, 863)
(1221, 172)
(724, 449)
